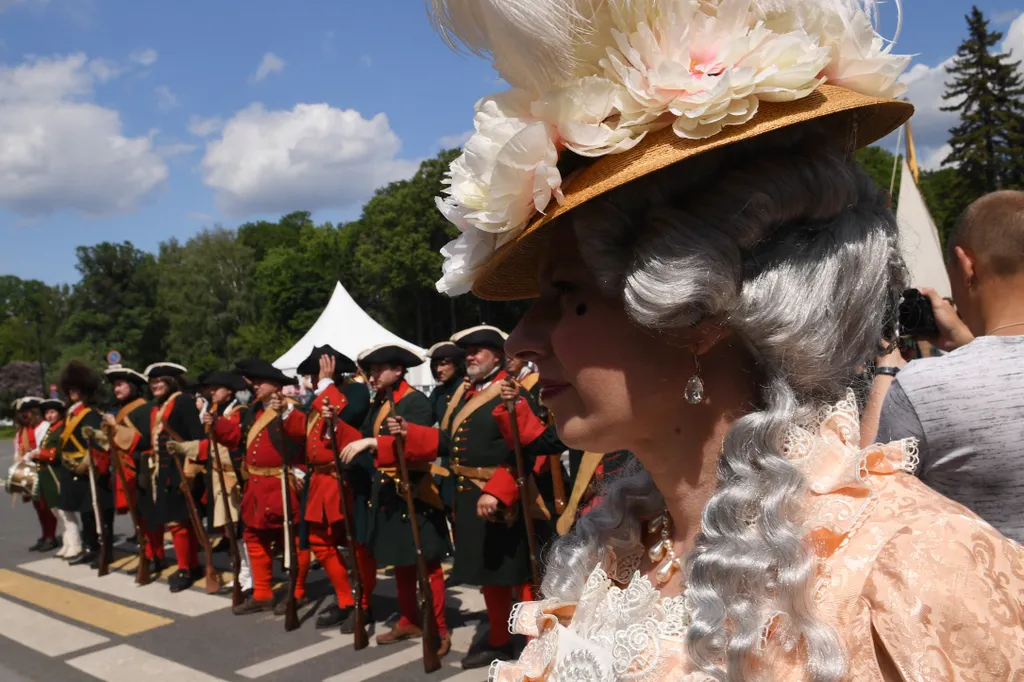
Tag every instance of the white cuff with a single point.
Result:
(288, 411)
(323, 384)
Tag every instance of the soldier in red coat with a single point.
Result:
(265, 428)
(345, 403)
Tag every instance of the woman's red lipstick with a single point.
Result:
(551, 389)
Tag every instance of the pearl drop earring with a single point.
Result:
(694, 391)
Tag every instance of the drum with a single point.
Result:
(23, 479)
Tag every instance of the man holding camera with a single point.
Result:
(966, 408)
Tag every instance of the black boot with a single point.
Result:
(482, 656)
(181, 580)
(334, 616)
(156, 567)
(38, 546)
(348, 626)
(95, 563)
(86, 557)
(49, 546)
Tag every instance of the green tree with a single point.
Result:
(205, 290)
(114, 306)
(262, 236)
(879, 164)
(986, 90)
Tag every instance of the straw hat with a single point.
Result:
(634, 86)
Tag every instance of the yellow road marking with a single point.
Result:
(85, 608)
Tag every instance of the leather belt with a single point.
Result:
(479, 476)
(326, 469)
(269, 472)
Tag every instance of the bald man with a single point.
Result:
(967, 408)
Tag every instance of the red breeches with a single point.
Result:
(499, 607)
(47, 521)
(408, 608)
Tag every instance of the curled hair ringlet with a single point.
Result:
(786, 239)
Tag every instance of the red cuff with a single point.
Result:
(337, 398)
(530, 426)
(422, 443)
(295, 426)
(386, 452)
(502, 485)
(101, 460)
(47, 455)
(228, 432)
(542, 465)
(204, 450)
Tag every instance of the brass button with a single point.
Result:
(461, 479)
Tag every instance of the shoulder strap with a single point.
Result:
(122, 414)
(382, 414)
(481, 398)
(584, 474)
(453, 402)
(530, 380)
(70, 426)
(162, 413)
(266, 416)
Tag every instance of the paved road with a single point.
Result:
(63, 623)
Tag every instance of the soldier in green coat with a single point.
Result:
(389, 533)
(492, 548)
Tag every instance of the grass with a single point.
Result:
(7, 432)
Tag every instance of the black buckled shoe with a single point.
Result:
(334, 616)
(181, 580)
(484, 655)
(38, 546)
(282, 606)
(251, 605)
(86, 557)
(48, 546)
(156, 567)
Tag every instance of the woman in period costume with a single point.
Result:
(674, 182)
(49, 477)
(29, 436)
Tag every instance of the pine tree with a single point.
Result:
(988, 92)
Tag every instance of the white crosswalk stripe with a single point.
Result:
(43, 633)
(124, 663)
(334, 642)
(122, 585)
(379, 666)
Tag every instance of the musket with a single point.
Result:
(229, 523)
(360, 639)
(103, 560)
(531, 540)
(212, 576)
(291, 613)
(142, 576)
(431, 638)
(557, 482)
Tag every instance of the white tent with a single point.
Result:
(347, 328)
(919, 240)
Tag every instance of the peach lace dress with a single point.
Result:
(919, 588)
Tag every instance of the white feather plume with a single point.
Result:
(532, 43)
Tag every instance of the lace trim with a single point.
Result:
(513, 616)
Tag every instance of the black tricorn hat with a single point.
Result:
(52, 404)
(77, 375)
(165, 369)
(125, 374)
(255, 368)
(228, 380)
(483, 335)
(445, 350)
(389, 354)
(27, 403)
(343, 364)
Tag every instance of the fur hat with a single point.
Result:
(79, 376)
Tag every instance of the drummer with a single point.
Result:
(32, 429)
(49, 478)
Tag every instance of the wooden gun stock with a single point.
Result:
(142, 576)
(558, 483)
(431, 637)
(229, 523)
(360, 639)
(291, 613)
(212, 577)
(521, 472)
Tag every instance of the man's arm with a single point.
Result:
(899, 420)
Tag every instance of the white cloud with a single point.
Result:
(270, 63)
(170, 151)
(931, 159)
(165, 99)
(204, 127)
(311, 157)
(449, 141)
(366, 61)
(200, 217)
(61, 151)
(1013, 39)
(146, 57)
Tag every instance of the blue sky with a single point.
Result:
(145, 120)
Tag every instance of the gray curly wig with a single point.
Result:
(787, 238)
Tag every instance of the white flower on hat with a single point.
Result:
(594, 78)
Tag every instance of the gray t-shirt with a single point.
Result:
(967, 411)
